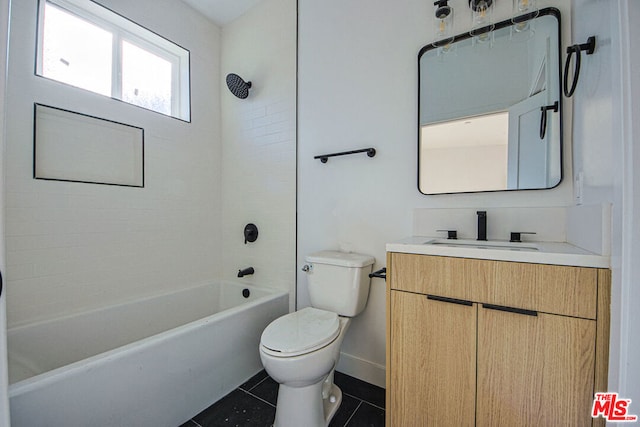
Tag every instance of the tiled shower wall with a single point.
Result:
(259, 145)
(73, 246)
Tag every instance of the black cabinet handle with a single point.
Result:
(0, 283)
(450, 300)
(510, 309)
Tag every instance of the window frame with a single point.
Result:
(123, 29)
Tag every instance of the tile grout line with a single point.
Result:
(363, 400)
(354, 396)
(258, 397)
(257, 384)
(353, 413)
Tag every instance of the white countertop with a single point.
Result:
(555, 253)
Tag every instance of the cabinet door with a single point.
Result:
(433, 358)
(534, 370)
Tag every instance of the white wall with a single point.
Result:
(594, 100)
(4, 377)
(630, 377)
(259, 145)
(607, 117)
(357, 88)
(73, 246)
(630, 295)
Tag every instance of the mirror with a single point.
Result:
(490, 111)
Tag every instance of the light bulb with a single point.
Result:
(523, 12)
(481, 18)
(525, 5)
(482, 13)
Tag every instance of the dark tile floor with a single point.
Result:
(254, 404)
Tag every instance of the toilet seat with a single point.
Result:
(300, 332)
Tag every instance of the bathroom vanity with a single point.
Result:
(495, 334)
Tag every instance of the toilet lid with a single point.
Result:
(301, 332)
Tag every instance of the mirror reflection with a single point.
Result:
(489, 114)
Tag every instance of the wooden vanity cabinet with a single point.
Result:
(433, 358)
(534, 370)
(492, 343)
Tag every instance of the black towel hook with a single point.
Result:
(543, 118)
(589, 47)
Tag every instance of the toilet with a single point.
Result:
(300, 350)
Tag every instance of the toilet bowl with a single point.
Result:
(306, 395)
(300, 350)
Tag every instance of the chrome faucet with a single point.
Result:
(482, 225)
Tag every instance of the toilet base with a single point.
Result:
(304, 406)
(332, 403)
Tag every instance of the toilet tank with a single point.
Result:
(339, 281)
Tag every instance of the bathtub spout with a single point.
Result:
(245, 272)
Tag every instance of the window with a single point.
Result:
(83, 44)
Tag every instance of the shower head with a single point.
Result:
(237, 86)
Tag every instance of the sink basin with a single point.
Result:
(478, 244)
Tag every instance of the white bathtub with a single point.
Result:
(152, 362)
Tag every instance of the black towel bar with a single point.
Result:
(324, 157)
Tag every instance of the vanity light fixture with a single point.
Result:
(443, 23)
(482, 19)
(482, 25)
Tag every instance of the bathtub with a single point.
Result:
(153, 362)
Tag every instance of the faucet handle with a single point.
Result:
(516, 235)
(451, 234)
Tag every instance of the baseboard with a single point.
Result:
(364, 370)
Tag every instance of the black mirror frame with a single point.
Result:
(548, 11)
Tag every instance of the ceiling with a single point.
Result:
(221, 12)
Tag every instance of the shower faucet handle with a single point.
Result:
(250, 233)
